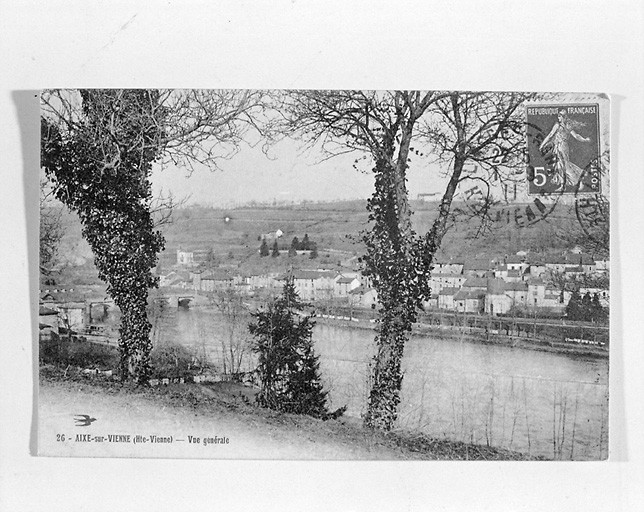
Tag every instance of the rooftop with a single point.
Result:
(61, 295)
(517, 286)
(495, 286)
(477, 264)
(469, 294)
(449, 290)
(360, 290)
(475, 282)
(570, 259)
(447, 262)
(216, 275)
(309, 274)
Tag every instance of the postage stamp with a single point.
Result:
(563, 148)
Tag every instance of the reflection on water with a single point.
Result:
(534, 402)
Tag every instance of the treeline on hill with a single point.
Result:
(304, 245)
(296, 245)
(202, 228)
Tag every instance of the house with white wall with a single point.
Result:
(447, 267)
(446, 298)
(469, 301)
(363, 296)
(185, 258)
(440, 280)
(344, 284)
(536, 293)
(312, 284)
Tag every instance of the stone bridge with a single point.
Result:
(174, 300)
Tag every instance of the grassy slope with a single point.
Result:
(334, 226)
(258, 433)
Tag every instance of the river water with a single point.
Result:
(538, 403)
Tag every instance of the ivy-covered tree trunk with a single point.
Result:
(397, 266)
(101, 170)
(134, 340)
(485, 129)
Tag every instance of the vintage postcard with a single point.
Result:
(324, 274)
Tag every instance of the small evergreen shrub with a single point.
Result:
(288, 369)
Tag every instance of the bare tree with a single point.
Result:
(51, 230)
(480, 137)
(383, 125)
(563, 283)
(389, 128)
(98, 148)
(188, 127)
(235, 343)
(163, 206)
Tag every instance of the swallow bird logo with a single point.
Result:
(83, 420)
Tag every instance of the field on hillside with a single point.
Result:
(240, 229)
(232, 235)
(337, 226)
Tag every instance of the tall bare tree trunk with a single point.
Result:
(392, 262)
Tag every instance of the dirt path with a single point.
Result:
(249, 435)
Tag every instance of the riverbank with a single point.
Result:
(479, 336)
(473, 334)
(219, 410)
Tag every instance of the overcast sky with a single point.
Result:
(289, 175)
(294, 174)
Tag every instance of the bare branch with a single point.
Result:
(163, 206)
(191, 127)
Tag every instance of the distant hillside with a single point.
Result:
(232, 235)
(337, 226)
(240, 229)
(466, 240)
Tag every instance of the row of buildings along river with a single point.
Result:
(520, 284)
(492, 286)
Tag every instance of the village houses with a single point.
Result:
(344, 284)
(480, 285)
(438, 281)
(70, 309)
(469, 300)
(313, 284)
(447, 267)
(185, 258)
(363, 296)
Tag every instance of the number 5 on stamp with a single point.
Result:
(563, 149)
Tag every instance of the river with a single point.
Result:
(539, 403)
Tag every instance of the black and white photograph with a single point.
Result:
(324, 274)
(312, 256)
